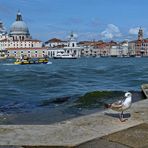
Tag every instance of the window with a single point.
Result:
(21, 51)
(28, 51)
(36, 51)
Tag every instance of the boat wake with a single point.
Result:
(9, 64)
(49, 62)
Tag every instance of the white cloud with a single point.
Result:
(112, 31)
(134, 31)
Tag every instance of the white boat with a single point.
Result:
(138, 56)
(64, 56)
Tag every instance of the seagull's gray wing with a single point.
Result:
(117, 105)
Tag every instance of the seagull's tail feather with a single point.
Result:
(107, 105)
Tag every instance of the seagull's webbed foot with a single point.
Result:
(122, 117)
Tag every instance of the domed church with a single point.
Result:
(19, 42)
(19, 30)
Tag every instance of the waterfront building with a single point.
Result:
(3, 35)
(96, 48)
(73, 48)
(90, 48)
(139, 47)
(131, 48)
(120, 50)
(69, 47)
(19, 41)
(144, 47)
(55, 43)
(138, 50)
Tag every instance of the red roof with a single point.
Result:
(54, 40)
(145, 41)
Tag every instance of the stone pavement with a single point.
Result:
(102, 129)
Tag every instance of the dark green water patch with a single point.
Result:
(59, 100)
(98, 98)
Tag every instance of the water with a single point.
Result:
(23, 88)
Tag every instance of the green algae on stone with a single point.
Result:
(94, 99)
(5, 130)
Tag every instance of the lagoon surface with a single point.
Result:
(46, 93)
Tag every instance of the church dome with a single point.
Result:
(19, 27)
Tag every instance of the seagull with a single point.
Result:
(121, 105)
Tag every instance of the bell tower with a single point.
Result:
(140, 34)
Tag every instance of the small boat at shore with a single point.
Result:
(144, 88)
(31, 61)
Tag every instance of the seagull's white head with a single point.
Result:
(128, 94)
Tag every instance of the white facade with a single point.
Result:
(120, 50)
(71, 49)
(55, 43)
(53, 52)
(9, 43)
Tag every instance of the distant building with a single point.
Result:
(91, 48)
(96, 48)
(69, 47)
(55, 43)
(139, 47)
(131, 48)
(19, 42)
(73, 48)
(140, 34)
(3, 36)
(120, 50)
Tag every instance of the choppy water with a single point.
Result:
(23, 88)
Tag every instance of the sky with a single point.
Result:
(88, 19)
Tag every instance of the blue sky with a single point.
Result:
(89, 19)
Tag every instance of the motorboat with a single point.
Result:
(31, 61)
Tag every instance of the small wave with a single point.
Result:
(9, 64)
(49, 62)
